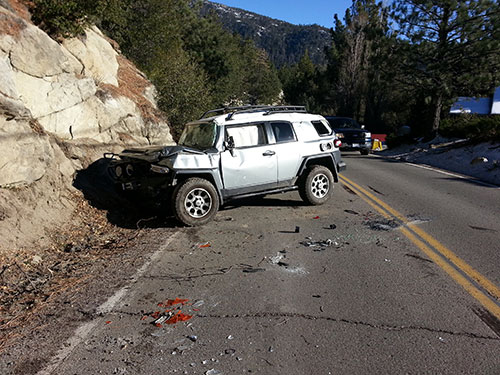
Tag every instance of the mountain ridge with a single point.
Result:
(285, 43)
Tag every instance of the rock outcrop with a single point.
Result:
(61, 106)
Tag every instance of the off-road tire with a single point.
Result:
(316, 185)
(195, 201)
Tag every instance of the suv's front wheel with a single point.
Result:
(316, 185)
(195, 201)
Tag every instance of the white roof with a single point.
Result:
(480, 106)
(245, 117)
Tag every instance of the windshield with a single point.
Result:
(199, 136)
(343, 123)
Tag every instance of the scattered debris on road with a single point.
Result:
(349, 190)
(319, 245)
(383, 225)
(351, 212)
(253, 270)
(173, 314)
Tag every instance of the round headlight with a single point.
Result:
(118, 171)
(129, 169)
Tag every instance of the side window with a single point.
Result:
(247, 135)
(283, 132)
(321, 128)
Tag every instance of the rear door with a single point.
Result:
(288, 154)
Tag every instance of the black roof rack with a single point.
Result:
(268, 109)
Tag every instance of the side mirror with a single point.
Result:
(230, 144)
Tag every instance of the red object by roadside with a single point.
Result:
(380, 137)
(172, 302)
(179, 317)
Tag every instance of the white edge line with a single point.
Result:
(435, 169)
(463, 177)
(82, 332)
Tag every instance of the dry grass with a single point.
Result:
(132, 84)
(31, 282)
(10, 25)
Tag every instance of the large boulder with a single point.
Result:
(97, 55)
(61, 106)
(28, 153)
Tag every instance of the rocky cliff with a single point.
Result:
(62, 104)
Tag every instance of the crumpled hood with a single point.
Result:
(153, 154)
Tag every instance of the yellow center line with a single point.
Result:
(481, 297)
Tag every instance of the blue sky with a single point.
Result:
(297, 12)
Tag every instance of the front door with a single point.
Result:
(252, 164)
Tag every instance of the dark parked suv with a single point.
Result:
(351, 133)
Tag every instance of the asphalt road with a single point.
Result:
(371, 297)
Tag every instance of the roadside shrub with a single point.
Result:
(394, 140)
(64, 18)
(474, 127)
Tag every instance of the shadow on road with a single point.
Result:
(100, 191)
(267, 201)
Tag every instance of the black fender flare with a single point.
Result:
(207, 174)
(327, 160)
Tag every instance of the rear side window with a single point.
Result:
(321, 128)
(283, 132)
(248, 135)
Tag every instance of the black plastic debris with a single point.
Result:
(351, 212)
(253, 270)
(297, 229)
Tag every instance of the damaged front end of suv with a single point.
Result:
(152, 172)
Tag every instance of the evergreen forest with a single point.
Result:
(385, 64)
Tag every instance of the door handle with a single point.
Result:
(269, 153)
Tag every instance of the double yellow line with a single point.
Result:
(478, 286)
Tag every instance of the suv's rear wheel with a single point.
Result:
(317, 185)
(195, 201)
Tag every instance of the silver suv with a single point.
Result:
(233, 153)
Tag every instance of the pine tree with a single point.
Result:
(352, 71)
(448, 48)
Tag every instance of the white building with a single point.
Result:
(480, 106)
